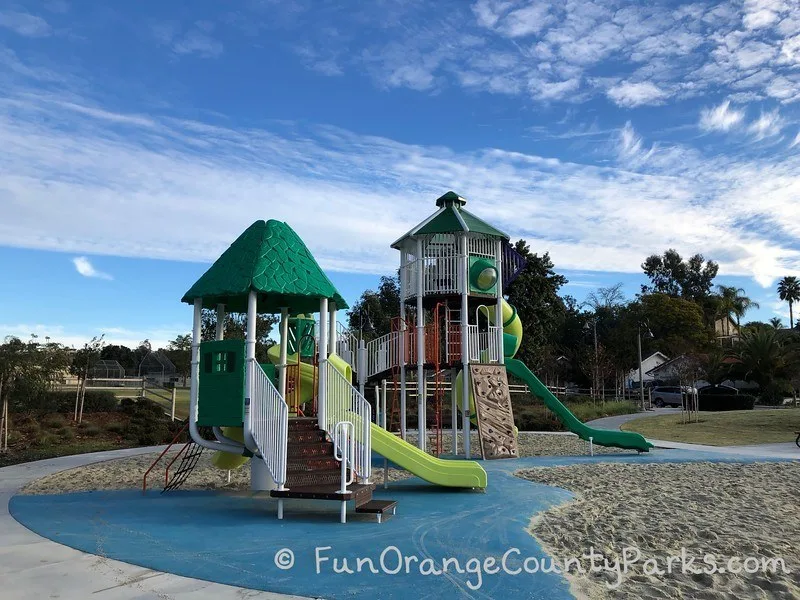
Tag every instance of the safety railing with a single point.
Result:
(269, 422)
(343, 402)
(484, 346)
(344, 450)
(383, 353)
(346, 345)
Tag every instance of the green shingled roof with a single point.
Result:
(270, 258)
(451, 218)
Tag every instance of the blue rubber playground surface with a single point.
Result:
(237, 539)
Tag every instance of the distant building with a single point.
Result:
(648, 364)
(726, 331)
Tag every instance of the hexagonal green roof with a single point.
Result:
(270, 258)
(450, 218)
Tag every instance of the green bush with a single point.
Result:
(117, 428)
(540, 418)
(64, 402)
(55, 421)
(92, 431)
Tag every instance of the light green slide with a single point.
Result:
(621, 439)
(450, 473)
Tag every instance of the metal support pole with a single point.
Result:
(465, 425)
(403, 291)
(498, 313)
(220, 329)
(332, 338)
(420, 348)
(322, 392)
(454, 410)
(641, 380)
(284, 347)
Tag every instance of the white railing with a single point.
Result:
(383, 353)
(269, 422)
(484, 346)
(440, 275)
(344, 450)
(346, 345)
(343, 402)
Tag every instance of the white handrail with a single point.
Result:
(343, 402)
(269, 423)
(383, 353)
(346, 345)
(344, 449)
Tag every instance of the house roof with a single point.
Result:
(270, 258)
(452, 217)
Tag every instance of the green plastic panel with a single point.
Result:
(222, 384)
(476, 265)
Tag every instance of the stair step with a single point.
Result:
(325, 492)
(377, 506)
(298, 436)
(303, 423)
(303, 450)
(311, 463)
(309, 478)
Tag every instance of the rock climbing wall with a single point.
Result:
(494, 413)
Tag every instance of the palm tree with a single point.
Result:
(776, 323)
(734, 303)
(761, 357)
(789, 291)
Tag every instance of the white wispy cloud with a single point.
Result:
(720, 118)
(769, 124)
(215, 180)
(196, 39)
(629, 94)
(84, 266)
(24, 24)
(648, 53)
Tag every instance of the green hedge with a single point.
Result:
(721, 402)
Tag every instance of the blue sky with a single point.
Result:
(139, 139)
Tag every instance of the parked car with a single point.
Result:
(667, 395)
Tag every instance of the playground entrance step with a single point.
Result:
(305, 450)
(319, 463)
(313, 477)
(303, 423)
(359, 492)
(378, 508)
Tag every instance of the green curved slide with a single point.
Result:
(620, 439)
(450, 473)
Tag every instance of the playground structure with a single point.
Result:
(305, 430)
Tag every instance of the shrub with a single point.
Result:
(92, 431)
(53, 421)
(64, 402)
(117, 428)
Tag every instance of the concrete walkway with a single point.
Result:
(614, 423)
(32, 567)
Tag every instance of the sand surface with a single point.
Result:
(127, 473)
(728, 510)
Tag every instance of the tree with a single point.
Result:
(179, 351)
(763, 357)
(82, 362)
(670, 274)
(372, 313)
(677, 324)
(30, 366)
(534, 293)
(776, 323)
(235, 327)
(734, 303)
(606, 297)
(789, 291)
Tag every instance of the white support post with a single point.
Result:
(194, 377)
(322, 350)
(377, 405)
(332, 327)
(403, 288)
(260, 478)
(421, 417)
(284, 345)
(361, 366)
(383, 404)
(174, 397)
(465, 344)
(454, 410)
(498, 313)
(220, 330)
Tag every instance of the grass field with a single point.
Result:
(158, 395)
(732, 428)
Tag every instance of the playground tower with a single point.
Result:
(454, 268)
